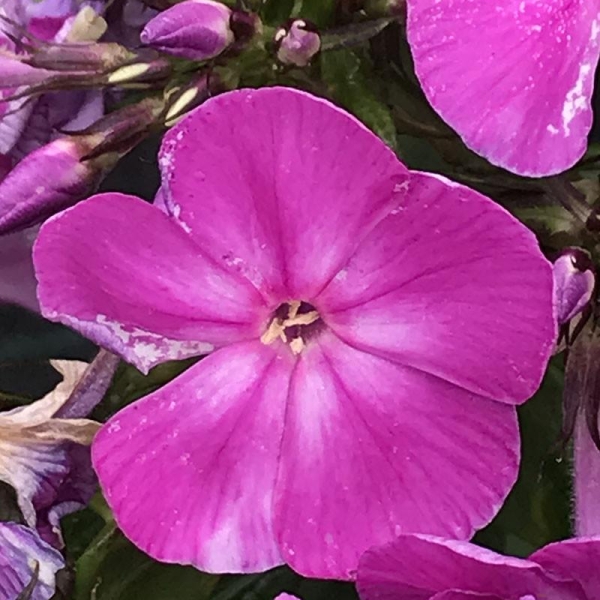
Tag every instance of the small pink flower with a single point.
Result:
(372, 330)
(297, 43)
(514, 78)
(574, 282)
(430, 568)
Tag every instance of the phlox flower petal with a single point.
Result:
(224, 415)
(576, 559)
(303, 185)
(514, 78)
(417, 566)
(421, 281)
(383, 446)
(198, 304)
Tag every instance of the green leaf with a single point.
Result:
(320, 12)
(353, 34)
(538, 508)
(113, 569)
(129, 384)
(344, 73)
(276, 12)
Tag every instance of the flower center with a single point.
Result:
(293, 323)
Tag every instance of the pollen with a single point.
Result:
(291, 324)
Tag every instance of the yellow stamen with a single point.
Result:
(277, 327)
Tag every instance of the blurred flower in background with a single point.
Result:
(27, 564)
(43, 457)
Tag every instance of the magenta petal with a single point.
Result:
(373, 449)
(452, 284)
(286, 597)
(576, 559)
(20, 550)
(416, 567)
(189, 471)
(458, 595)
(149, 294)
(282, 186)
(513, 78)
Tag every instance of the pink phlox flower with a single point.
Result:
(432, 568)
(514, 78)
(371, 331)
(45, 458)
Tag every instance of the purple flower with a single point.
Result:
(420, 567)
(350, 304)
(513, 78)
(286, 597)
(298, 43)
(194, 29)
(48, 180)
(26, 123)
(25, 557)
(574, 283)
(70, 168)
(42, 457)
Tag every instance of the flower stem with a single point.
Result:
(92, 387)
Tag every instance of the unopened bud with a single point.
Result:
(194, 29)
(574, 282)
(46, 181)
(297, 43)
(96, 58)
(69, 169)
(181, 99)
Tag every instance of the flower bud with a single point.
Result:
(194, 29)
(297, 43)
(97, 58)
(574, 282)
(69, 169)
(46, 181)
